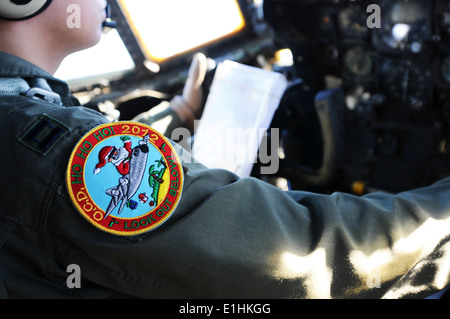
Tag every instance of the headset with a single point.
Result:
(27, 9)
(22, 9)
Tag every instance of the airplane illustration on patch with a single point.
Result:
(130, 163)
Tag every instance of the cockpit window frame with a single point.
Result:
(141, 58)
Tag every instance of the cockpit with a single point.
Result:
(366, 105)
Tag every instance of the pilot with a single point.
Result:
(227, 238)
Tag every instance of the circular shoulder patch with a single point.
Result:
(124, 178)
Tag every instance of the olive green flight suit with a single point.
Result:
(228, 237)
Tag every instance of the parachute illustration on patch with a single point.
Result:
(125, 178)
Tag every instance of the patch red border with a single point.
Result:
(81, 199)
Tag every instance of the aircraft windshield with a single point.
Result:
(170, 27)
(109, 59)
(163, 29)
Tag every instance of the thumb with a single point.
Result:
(192, 91)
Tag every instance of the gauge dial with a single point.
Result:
(406, 82)
(358, 61)
(404, 24)
(352, 22)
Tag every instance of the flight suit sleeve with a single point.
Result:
(162, 118)
(243, 238)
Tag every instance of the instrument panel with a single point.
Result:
(395, 78)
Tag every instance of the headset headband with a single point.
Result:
(22, 9)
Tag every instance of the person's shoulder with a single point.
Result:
(79, 116)
(43, 126)
(27, 108)
(74, 117)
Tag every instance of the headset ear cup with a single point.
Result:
(22, 9)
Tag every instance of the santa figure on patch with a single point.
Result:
(119, 156)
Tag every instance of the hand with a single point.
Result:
(189, 105)
(192, 92)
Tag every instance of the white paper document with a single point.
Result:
(238, 112)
